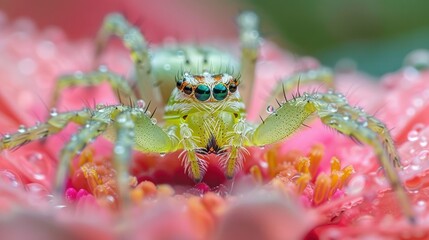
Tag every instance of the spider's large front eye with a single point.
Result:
(202, 92)
(220, 92)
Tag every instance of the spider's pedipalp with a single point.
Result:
(334, 111)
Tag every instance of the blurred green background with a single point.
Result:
(376, 34)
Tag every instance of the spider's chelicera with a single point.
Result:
(205, 113)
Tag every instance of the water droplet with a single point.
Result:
(332, 107)
(417, 102)
(100, 106)
(162, 154)
(78, 75)
(53, 112)
(416, 164)
(419, 127)
(22, 129)
(6, 136)
(410, 73)
(420, 206)
(37, 189)
(410, 111)
(103, 68)
(121, 119)
(27, 66)
(423, 141)
(362, 121)
(141, 103)
(423, 155)
(413, 136)
(153, 120)
(38, 166)
(380, 178)
(270, 109)
(356, 185)
(46, 50)
(10, 178)
(119, 150)
(167, 67)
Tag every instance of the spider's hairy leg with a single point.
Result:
(322, 75)
(127, 127)
(122, 152)
(116, 25)
(233, 158)
(92, 129)
(334, 111)
(118, 84)
(248, 24)
(55, 124)
(192, 162)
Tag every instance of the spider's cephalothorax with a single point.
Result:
(207, 107)
(205, 113)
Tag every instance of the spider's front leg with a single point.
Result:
(334, 111)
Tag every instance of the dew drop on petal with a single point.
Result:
(356, 185)
(27, 66)
(423, 141)
(423, 155)
(418, 127)
(10, 178)
(38, 166)
(46, 50)
(413, 136)
(270, 109)
(420, 206)
(37, 189)
(416, 164)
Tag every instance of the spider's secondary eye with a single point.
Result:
(232, 87)
(179, 83)
(202, 92)
(187, 89)
(220, 92)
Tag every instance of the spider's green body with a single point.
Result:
(205, 108)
